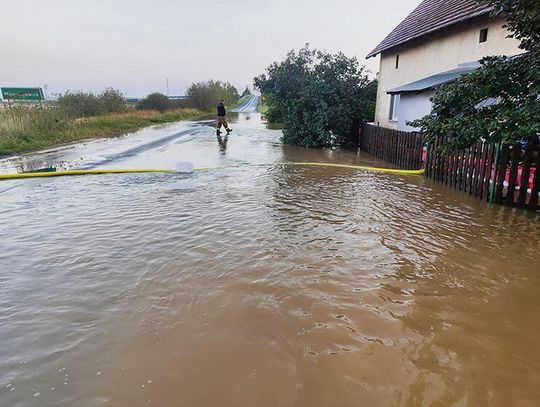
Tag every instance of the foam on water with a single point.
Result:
(184, 167)
(223, 173)
(180, 186)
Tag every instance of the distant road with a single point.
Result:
(249, 106)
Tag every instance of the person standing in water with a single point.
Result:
(222, 118)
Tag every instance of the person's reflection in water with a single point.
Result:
(222, 141)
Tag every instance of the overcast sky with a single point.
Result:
(134, 45)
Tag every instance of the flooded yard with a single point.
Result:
(257, 283)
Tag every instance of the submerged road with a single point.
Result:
(249, 105)
(258, 283)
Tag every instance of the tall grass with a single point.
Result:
(23, 128)
(86, 104)
(26, 129)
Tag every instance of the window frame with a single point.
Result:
(394, 102)
(484, 33)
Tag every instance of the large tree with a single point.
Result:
(205, 95)
(320, 97)
(246, 92)
(499, 102)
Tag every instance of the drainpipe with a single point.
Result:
(492, 192)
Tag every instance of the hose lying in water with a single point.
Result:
(360, 167)
(121, 171)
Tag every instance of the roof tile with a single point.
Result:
(428, 17)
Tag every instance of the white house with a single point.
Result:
(437, 43)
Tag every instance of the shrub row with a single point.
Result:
(83, 104)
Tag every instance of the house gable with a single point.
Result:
(434, 54)
(431, 16)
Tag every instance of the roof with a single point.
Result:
(428, 17)
(434, 81)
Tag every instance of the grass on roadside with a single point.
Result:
(35, 129)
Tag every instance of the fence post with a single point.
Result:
(525, 175)
(360, 133)
(501, 173)
(533, 203)
(512, 179)
(497, 155)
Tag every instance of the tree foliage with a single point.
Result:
(112, 100)
(85, 104)
(246, 92)
(523, 20)
(155, 101)
(205, 95)
(499, 102)
(318, 96)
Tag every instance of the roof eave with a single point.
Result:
(406, 92)
(377, 50)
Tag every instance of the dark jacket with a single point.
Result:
(221, 110)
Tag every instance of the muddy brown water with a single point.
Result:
(258, 284)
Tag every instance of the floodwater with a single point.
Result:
(259, 284)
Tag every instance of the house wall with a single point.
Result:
(439, 52)
(413, 106)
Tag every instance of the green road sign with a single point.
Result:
(22, 93)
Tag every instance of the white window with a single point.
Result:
(394, 103)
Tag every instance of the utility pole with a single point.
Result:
(167, 83)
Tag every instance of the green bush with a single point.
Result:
(181, 104)
(155, 101)
(86, 104)
(498, 102)
(319, 97)
(206, 95)
(79, 104)
(273, 110)
(112, 101)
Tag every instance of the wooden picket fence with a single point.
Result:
(402, 149)
(507, 174)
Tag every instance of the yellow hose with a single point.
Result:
(74, 172)
(361, 167)
(120, 171)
